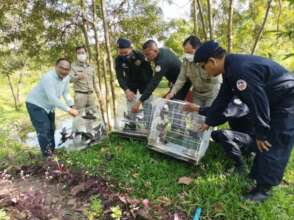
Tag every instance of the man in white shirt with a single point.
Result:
(44, 98)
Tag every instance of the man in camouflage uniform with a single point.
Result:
(83, 77)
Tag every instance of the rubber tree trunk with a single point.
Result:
(259, 34)
(195, 17)
(109, 57)
(209, 14)
(107, 100)
(202, 19)
(16, 106)
(230, 26)
(85, 28)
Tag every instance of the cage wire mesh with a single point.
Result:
(87, 129)
(136, 125)
(176, 133)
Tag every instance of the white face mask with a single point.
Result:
(82, 57)
(189, 57)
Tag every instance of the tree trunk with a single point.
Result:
(230, 26)
(202, 19)
(104, 70)
(195, 17)
(262, 27)
(97, 59)
(209, 20)
(19, 82)
(12, 92)
(84, 27)
(97, 47)
(109, 57)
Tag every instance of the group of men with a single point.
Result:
(254, 94)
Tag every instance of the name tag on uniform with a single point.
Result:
(138, 62)
(157, 68)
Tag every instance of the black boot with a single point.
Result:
(258, 194)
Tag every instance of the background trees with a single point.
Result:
(35, 32)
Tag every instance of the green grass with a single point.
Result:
(146, 174)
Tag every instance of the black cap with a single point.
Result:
(123, 43)
(206, 51)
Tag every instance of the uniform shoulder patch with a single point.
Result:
(241, 85)
(138, 62)
(157, 68)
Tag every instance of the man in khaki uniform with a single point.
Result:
(83, 76)
(205, 88)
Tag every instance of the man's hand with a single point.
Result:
(81, 76)
(136, 107)
(191, 107)
(169, 95)
(130, 95)
(73, 112)
(203, 127)
(263, 145)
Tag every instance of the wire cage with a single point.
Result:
(133, 125)
(86, 129)
(176, 133)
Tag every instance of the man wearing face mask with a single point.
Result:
(83, 76)
(205, 88)
(44, 98)
(133, 72)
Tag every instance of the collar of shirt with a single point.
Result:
(56, 76)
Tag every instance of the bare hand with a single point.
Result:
(191, 107)
(81, 76)
(73, 112)
(204, 127)
(169, 95)
(263, 145)
(130, 95)
(136, 107)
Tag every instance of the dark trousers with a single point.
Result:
(234, 143)
(44, 124)
(268, 166)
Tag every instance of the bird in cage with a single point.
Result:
(65, 135)
(162, 123)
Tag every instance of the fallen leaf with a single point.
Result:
(185, 180)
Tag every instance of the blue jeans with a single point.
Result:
(44, 124)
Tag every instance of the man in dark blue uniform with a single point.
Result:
(133, 73)
(167, 65)
(268, 90)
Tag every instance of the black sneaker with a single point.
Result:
(257, 195)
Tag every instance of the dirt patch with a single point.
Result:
(50, 191)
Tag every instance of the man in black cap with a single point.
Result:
(268, 90)
(166, 64)
(132, 71)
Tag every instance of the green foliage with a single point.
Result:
(3, 215)
(180, 29)
(96, 208)
(116, 213)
